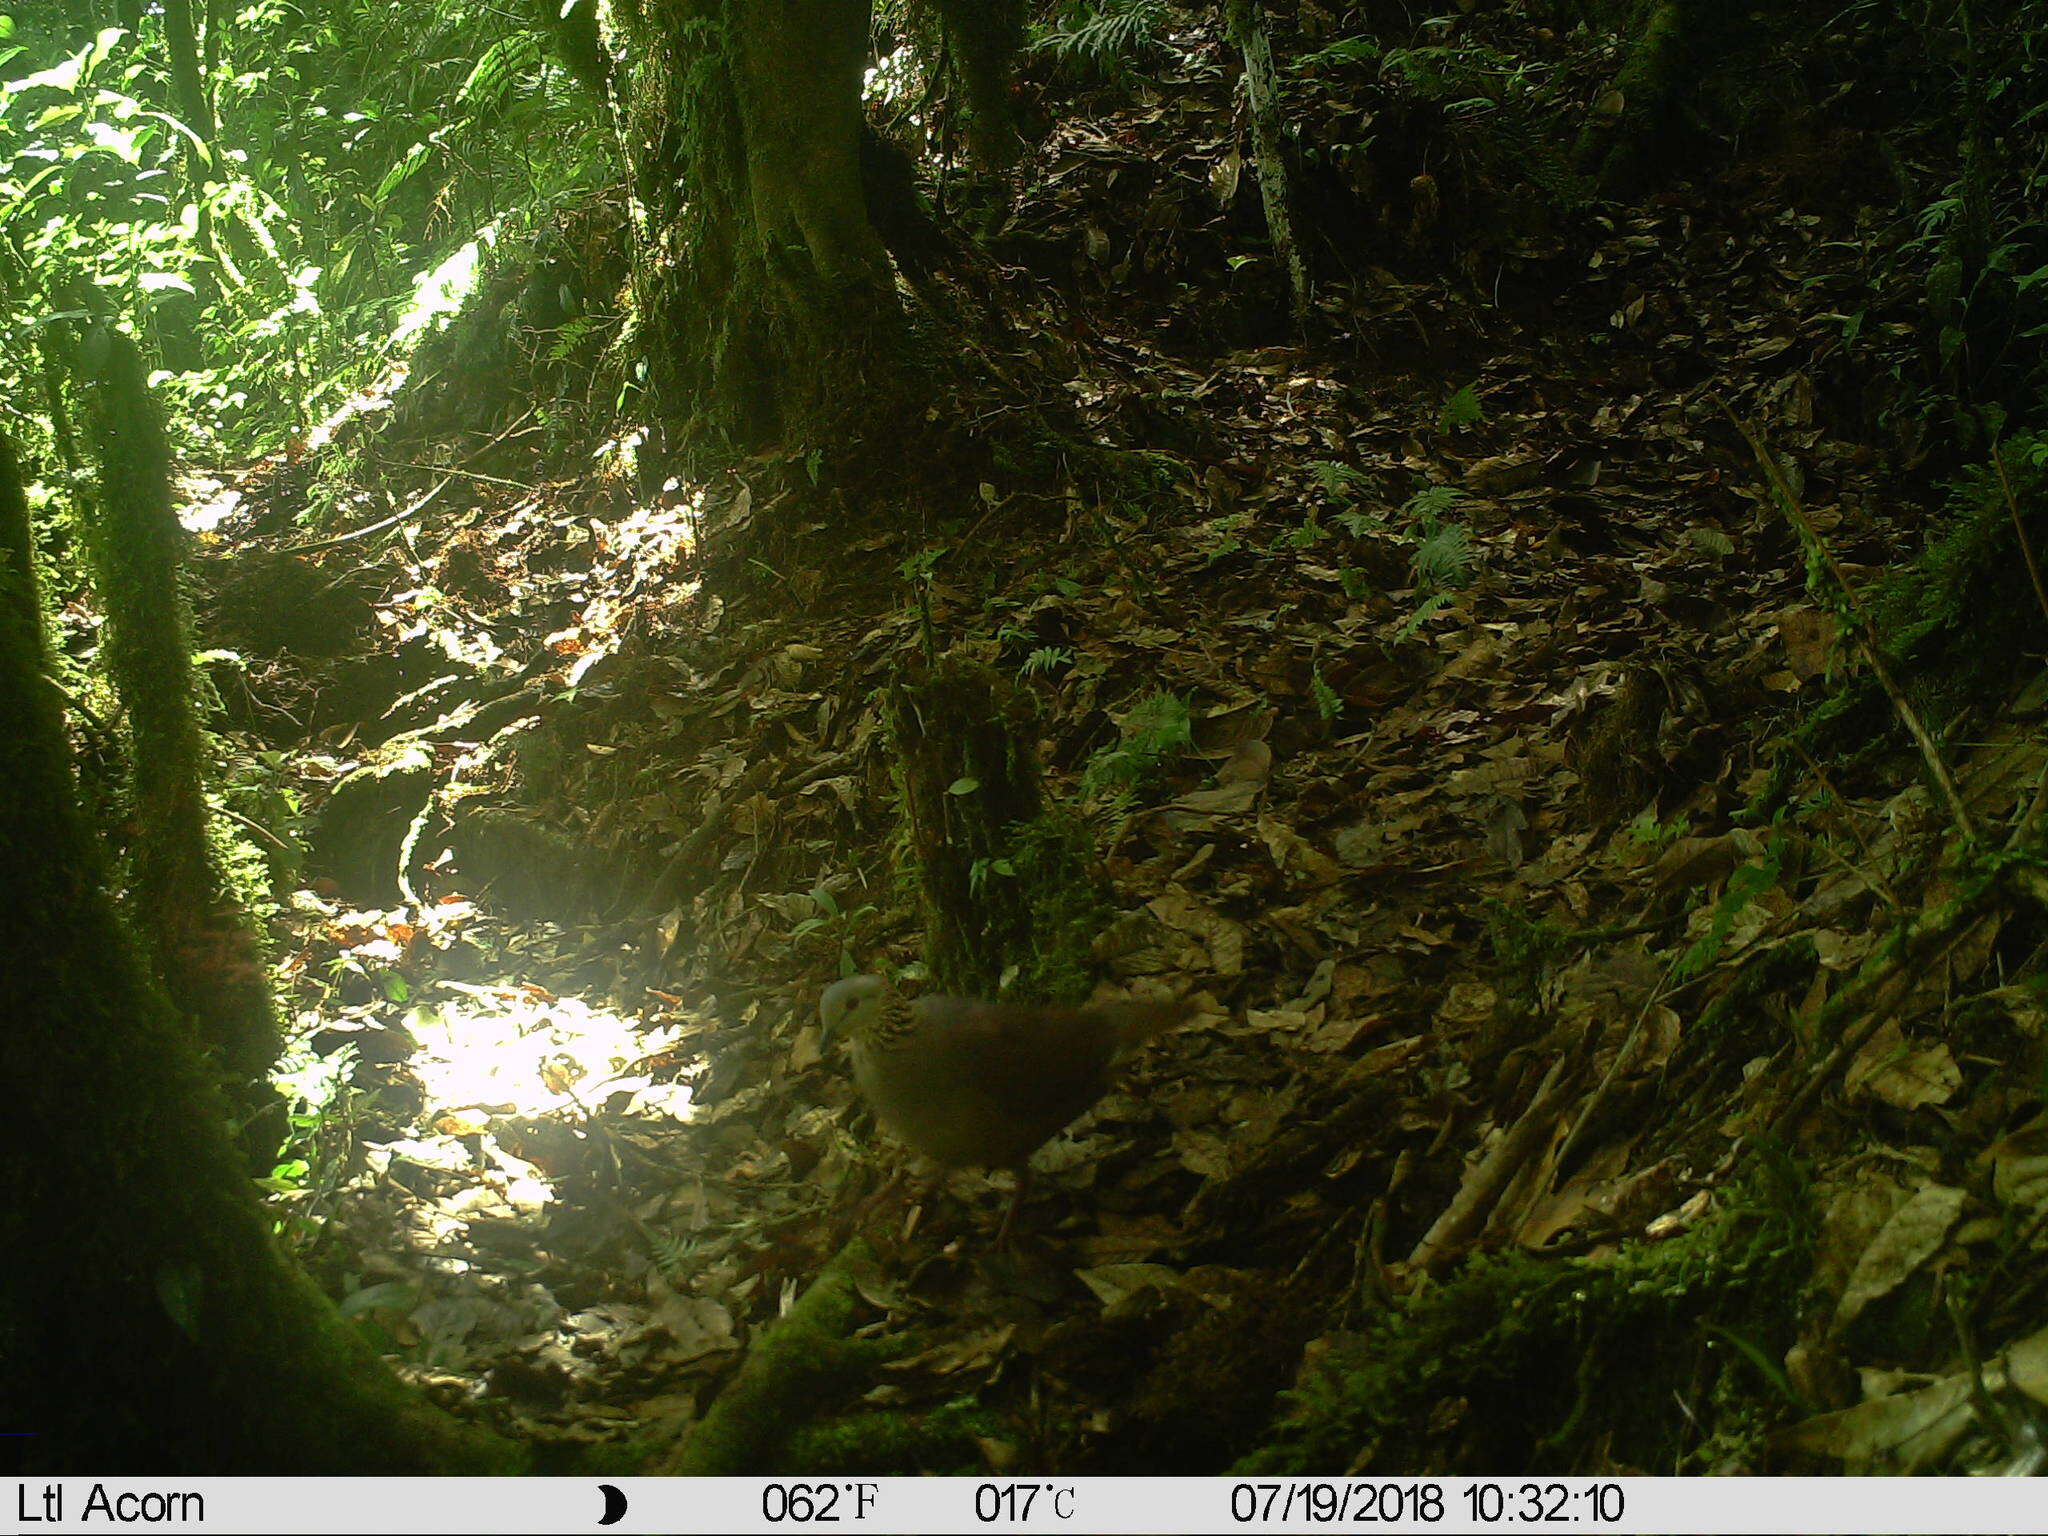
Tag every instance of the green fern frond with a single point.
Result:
(1463, 410)
(503, 64)
(1433, 502)
(1339, 482)
(1444, 559)
(1103, 38)
(1430, 605)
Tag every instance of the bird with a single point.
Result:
(980, 1084)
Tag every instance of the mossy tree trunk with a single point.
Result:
(148, 1322)
(773, 309)
(1246, 24)
(1624, 144)
(572, 30)
(175, 317)
(206, 951)
(985, 36)
(970, 779)
(188, 77)
(803, 1364)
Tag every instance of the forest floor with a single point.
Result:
(1425, 689)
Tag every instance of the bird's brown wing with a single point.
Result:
(1044, 1065)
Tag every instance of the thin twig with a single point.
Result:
(2012, 505)
(95, 726)
(2030, 819)
(1862, 631)
(465, 474)
(1989, 1414)
(413, 510)
(1484, 1186)
(1888, 989)
(1874, 880)
(260, 830)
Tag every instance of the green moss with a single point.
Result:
(804, 1362)
(147, 1261)
(1054, 862)
(1969, 582)
(940, 1442)
(1546, 1364)
(205, 948)
(245, 871)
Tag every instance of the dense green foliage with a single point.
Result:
(849, 266)
(271, 266)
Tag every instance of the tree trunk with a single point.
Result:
(1011, 904)
(984, 36)
(176, 315)
(1622, 144)
(194, 106)
(148, 1322)
(1262, 94)
(206, 952)
(970, 779)
(774, 310)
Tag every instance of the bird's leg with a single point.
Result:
(1016, 1200)
(917, 1195)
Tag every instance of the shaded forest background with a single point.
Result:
(1493, 552)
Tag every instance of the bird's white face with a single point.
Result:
(850, 1004)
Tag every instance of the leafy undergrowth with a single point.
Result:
(1425, 696)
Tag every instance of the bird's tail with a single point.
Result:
(1139, 1020)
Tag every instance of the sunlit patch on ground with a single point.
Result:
(523, 1051)
(475, 1057)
